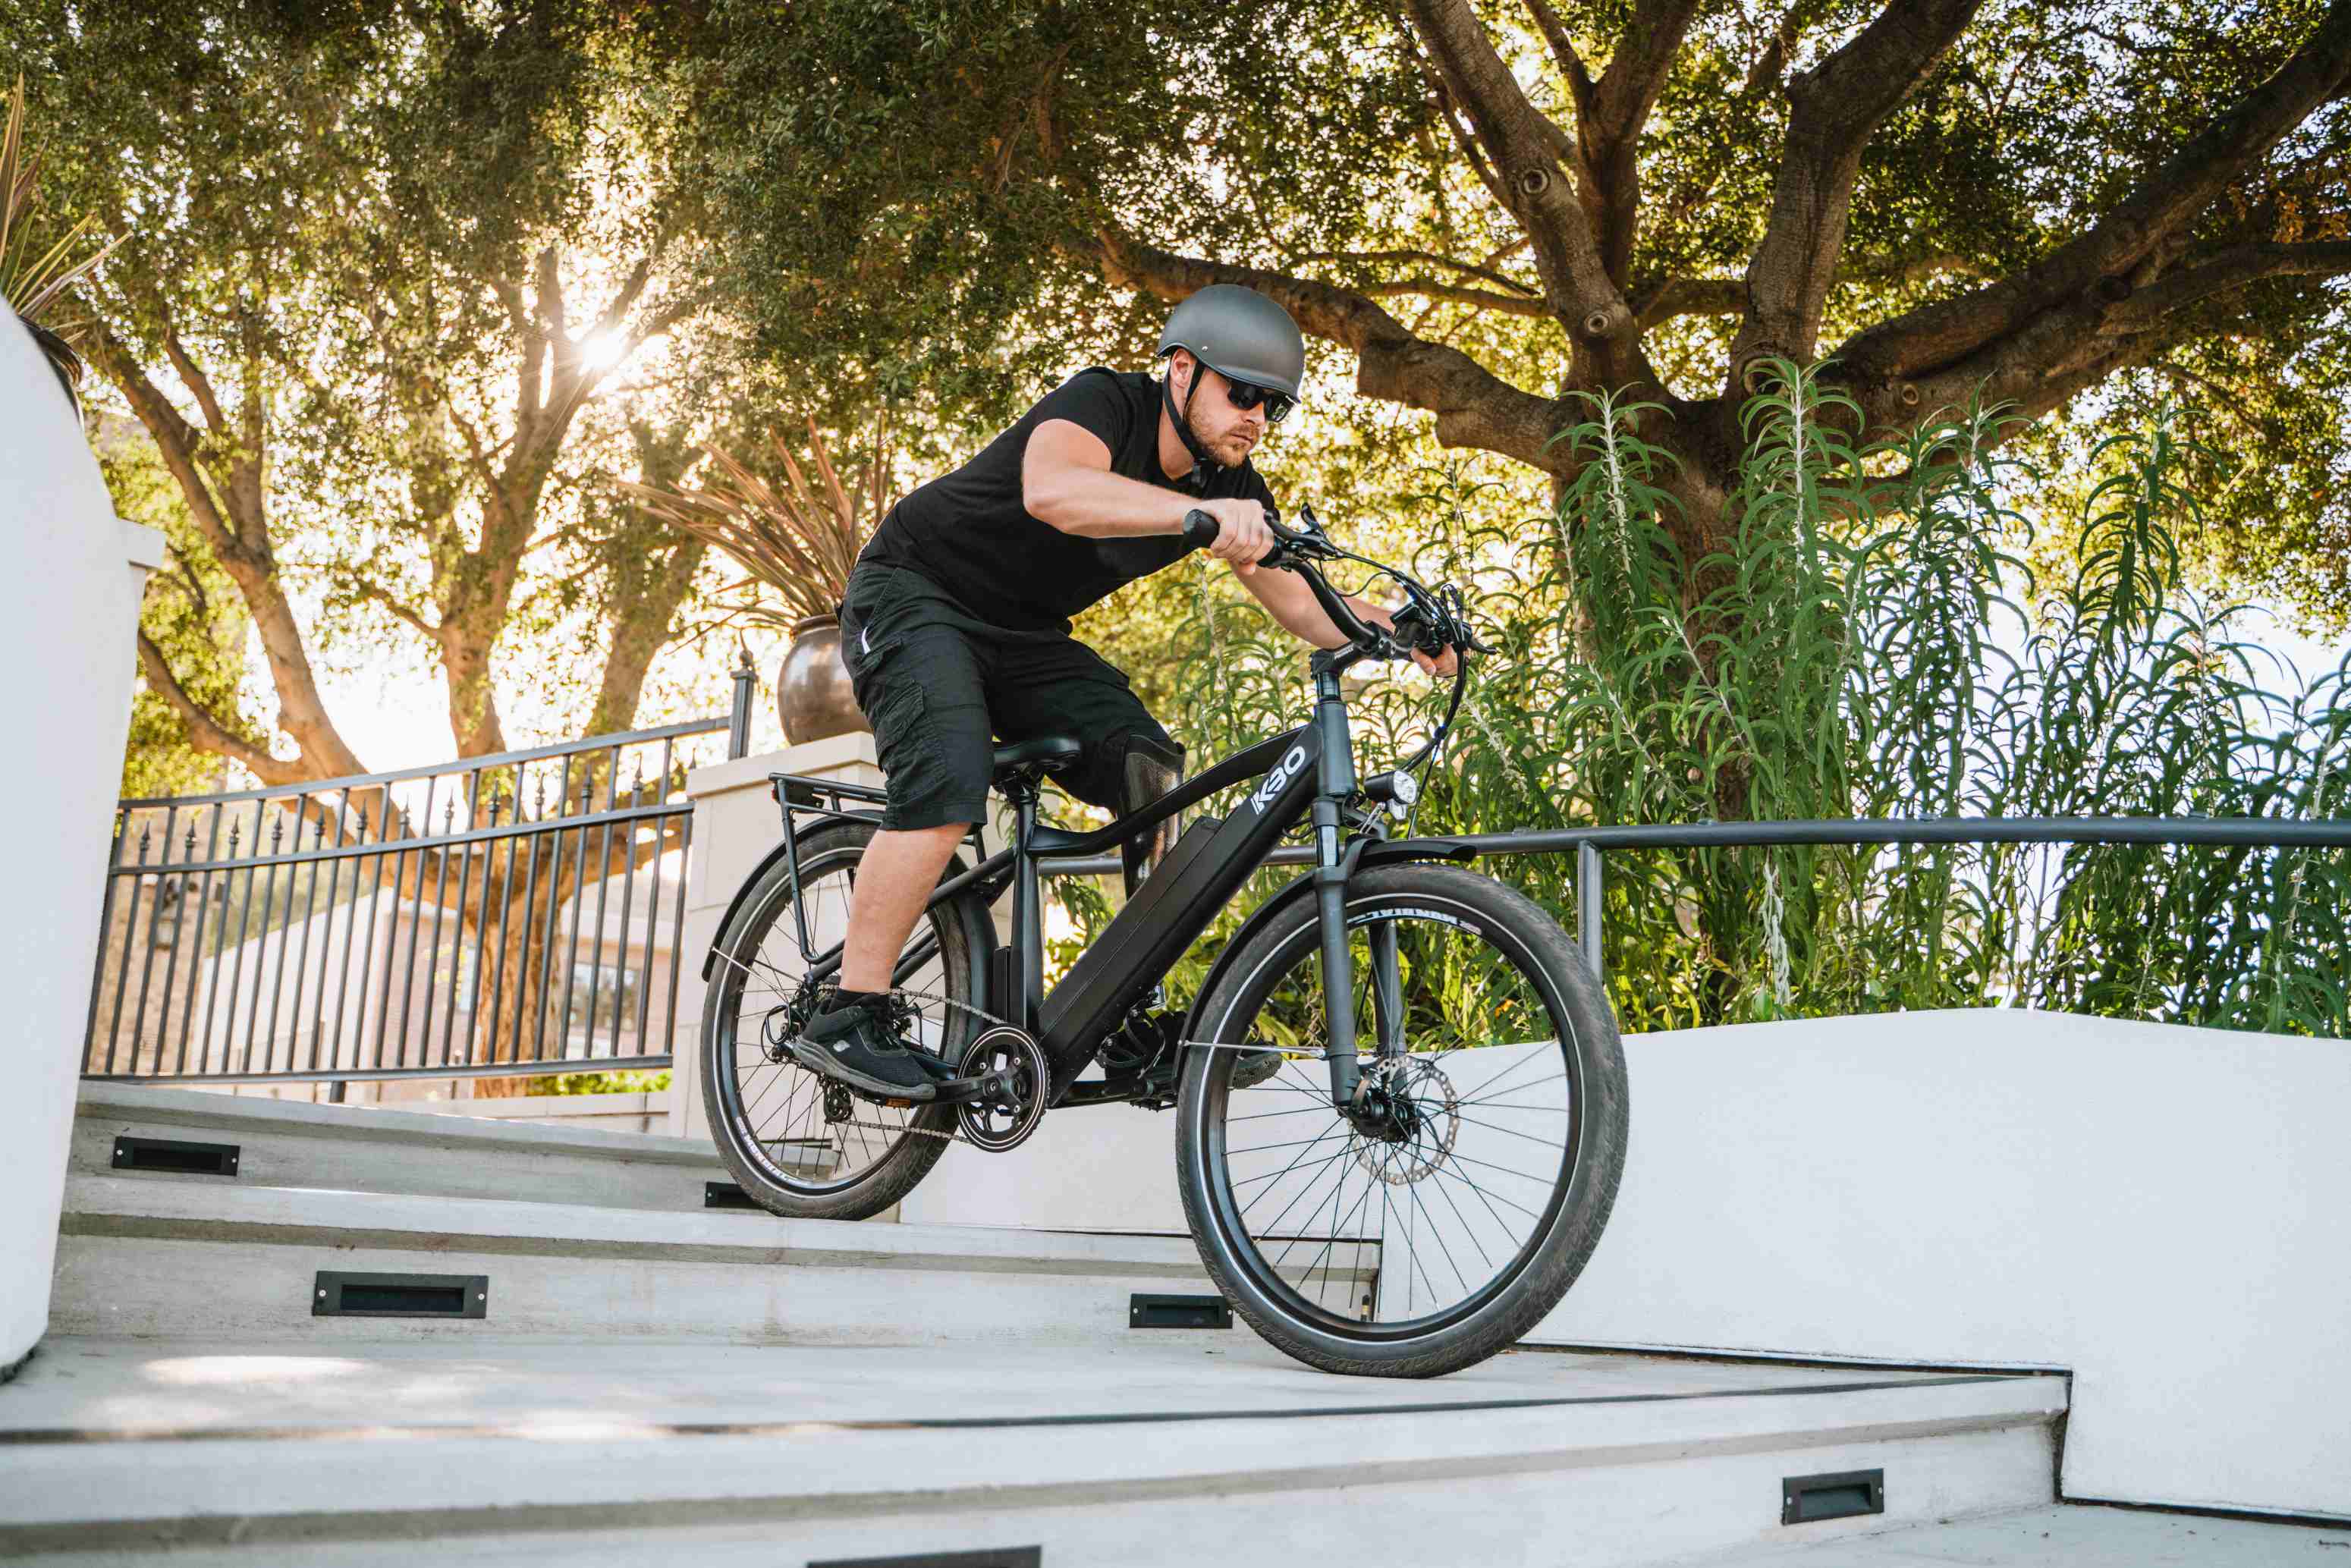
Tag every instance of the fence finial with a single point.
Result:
(747, 683)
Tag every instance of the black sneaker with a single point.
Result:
(856, 1045)
(903, 1019)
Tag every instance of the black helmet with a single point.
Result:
(1239, 334)
(1243, 337)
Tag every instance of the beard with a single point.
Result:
(1229, 451)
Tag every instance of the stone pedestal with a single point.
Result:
(67, 633)
(735, 825)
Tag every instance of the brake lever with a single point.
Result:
(1456, 616)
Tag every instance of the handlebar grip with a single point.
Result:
(1201, 527)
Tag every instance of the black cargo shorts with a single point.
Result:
(940, 686)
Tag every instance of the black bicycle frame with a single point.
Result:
(1306, 774)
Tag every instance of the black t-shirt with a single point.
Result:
(968, 532)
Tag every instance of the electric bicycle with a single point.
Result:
(1400, 1099)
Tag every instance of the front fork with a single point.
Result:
(1332, 865)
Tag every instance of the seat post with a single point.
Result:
(1028, 908)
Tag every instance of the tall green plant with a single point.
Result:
(1872, 645)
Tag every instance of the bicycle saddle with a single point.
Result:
(1033, 758)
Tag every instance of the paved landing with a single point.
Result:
(102, 1386)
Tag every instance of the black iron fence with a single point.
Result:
(496, 917)
(337, 931)
(1589, 844)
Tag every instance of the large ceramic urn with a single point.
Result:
(68, 619)
(813, 697)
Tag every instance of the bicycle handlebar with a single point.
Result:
(1202, 530)
(1430, 622)
(1426, 624)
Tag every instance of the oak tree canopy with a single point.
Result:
(1490, 207)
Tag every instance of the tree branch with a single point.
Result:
(376, 593)
(1368, 258)
(2167, 197)
(241, 545)
(1442, 96)
(205, 732)
(2231, 268)
(1666, 297)
(1618, 111)
(626, 299)
(1834, 107)
(175, 439)
(199, 385)
(1526, 147)
(2059, 352)
(1563, 53)
(1484, 298)
(1473, 406)
(1663, 298)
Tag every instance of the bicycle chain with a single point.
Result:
(957, 1136)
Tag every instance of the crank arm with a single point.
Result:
(986, 1086)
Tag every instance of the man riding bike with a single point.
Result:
(955, 624)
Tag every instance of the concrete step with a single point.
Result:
(147, 1258)
(2076, 1535)
(1158, 1450)
(364, 1149)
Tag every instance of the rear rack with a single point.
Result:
(828, 798)
(808, 792)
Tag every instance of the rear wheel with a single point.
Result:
(1439, 1224)
(800, 1144)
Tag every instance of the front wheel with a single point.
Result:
(1439, 1224)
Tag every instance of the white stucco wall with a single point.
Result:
(2165, 1211)
(74, 576)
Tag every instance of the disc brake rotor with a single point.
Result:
(1437, 1110)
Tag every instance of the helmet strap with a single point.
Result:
(1203, 466)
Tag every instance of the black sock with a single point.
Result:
(844, 999)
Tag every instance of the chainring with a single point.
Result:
(1004, 1122)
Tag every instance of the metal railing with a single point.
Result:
(1589, 843)
(496, 916)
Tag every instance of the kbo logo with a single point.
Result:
(1278, 780)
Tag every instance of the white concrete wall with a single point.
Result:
(75, 574)
(2165, 1211)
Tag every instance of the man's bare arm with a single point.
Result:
(1066, 483)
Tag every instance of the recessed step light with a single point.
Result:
(176, 1156)
(725, 1195)
(1803, 1499)
(1003, 1557)
(347, 1296)
(1178, 1312)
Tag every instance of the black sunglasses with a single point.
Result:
(1248, 395)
